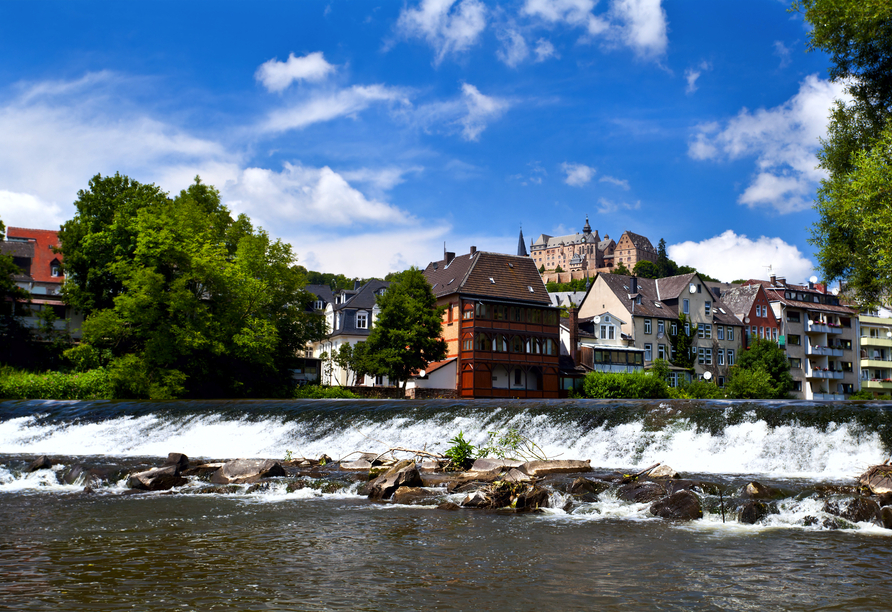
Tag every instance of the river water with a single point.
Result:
(327, 548)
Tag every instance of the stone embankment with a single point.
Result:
(502, 485)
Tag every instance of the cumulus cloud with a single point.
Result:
(637, 24)
(469, 114)
(315, 196)
(692, 74)
(545, 50)
(277, 76)
(447, 26)
(606, 206)
(514, 48)
(26, 210)
(730, 256)
(783, 140)
(325, 106)
(621, 183)
(577, 174)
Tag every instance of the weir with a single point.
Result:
(834, 440)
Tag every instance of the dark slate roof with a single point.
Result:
(639, 241)
(521, 247)
(489, 275)
(323, 292)
(366, 297)
(17, 248)
(606, 244)
(777, 294)
(670, 288)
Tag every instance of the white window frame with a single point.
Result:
(707, 306)
(648, 326)
(362, 320)
(720, 332)
(648, 352)
(730, 357)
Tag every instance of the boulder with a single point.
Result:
(41, 463)
(674, 485)
(360, 465)
(641, 492)
(886, 516)
(413, 496)
(756, 490)
(752, 512)
(858, 510)
(885, 499)
(531, 498)
(180, 460)
(878, 479)
(157, 479)
(403, 474)
(555, 466)
(582, 486)
(515, 475)
(683, 505)
(241, 471)
(486, 465)
(431, 465)
(478, 499)
(448, 505)
(662, 471)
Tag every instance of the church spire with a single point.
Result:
(521, 247)
(587, 229)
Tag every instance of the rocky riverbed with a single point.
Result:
(495, 485)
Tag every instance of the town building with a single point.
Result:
(583, 253)
(499, 326)
(647, 312)
(596, 344)
(349, 317)
(34, 252)
(750, 304)
(820, 337)
(876, 354)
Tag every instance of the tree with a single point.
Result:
(542, 269)
(621, 269)
(353, 358)
(193, 302)
(750, 384)
(682, 342)
(766, 355)
(665, 266)
(558, 269)
(13, 333)
(853, 202)
(406, 334)
(646, 269)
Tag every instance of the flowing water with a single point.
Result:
(324, 547)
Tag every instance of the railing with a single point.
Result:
(815, 373)
(819, 327)
(876, 384)
(823, 350)
(828, 396)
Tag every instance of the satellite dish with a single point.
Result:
(746, 319)
(707, 375)
(813, 279)
(597, 319)
(692, 288)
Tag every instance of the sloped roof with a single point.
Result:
(366, 297)
(547, 241)
(777, 294)
(323, 292)
(640, 242)
(489, 275)
(740, 299)
(42, 259)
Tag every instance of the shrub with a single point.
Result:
(634, 385)
(461, 453)
(94, 384)
(317, 392)
(862, 394)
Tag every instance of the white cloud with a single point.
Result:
(325, 106)
(608, 206)
(382, 179)
(312, 196)
(545, 50)
(469, 114)
(638, 24)
(783, 140)
(692, 74)
(577, 174)
(514, 48)
(26, 210)
(447, 26)
(277, 76)
(621, 183)
(783, 52)
(642, 26)
(730, 256)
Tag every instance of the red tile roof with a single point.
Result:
(44, 240)
(489, 275)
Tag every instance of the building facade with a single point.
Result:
(750, 304)
(876, 354)
(583, 253)
(499, 326)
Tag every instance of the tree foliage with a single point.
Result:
(621, 269)
(853, 202)
(632, 385)
(406, 334)
(767, 356)
(646, 269)
(682, 342)
(185, 299)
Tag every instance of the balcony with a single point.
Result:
(824, 374)
(819, 327)
(877, 342)
(877, 384)
(814, 349)
(827, 397)
(876, 363)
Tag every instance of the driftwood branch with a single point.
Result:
(411, 450)
(633, 477)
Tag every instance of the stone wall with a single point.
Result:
(397, 393)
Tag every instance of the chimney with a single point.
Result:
(811, 285)
(633, 285)
(473, 250)
(781, 281)
(773, 280)
(356, 285)
(449, 257)
(573, 325)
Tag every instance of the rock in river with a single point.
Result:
(403, 474)
(878, 479)
(683, 505)
(555, 466)
(157, 479)
(241, 471)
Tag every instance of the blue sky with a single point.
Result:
(367, 134)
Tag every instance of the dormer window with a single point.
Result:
(55, 270)
(318, 305)
(362, 320)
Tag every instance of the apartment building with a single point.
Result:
(875, 341)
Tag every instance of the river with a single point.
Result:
(319, 549)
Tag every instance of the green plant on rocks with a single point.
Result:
(511, 445)
(460, 454)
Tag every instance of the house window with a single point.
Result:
(661, 327)
(730, 333)
(687, 329)
(720, 332)
(793, 317)
(674, 328)
(518, 376)
(774, 333)
(648, 352)
(467, 344)
(730, 357)
(647, 326)
(686, 306)
(318, 305)
(707, 306)
(704, 356)
(516, 344)
(661, 351)
(794, 339)
(720, 357)
(795, 363)
(362, 320)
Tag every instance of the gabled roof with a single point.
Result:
(640, 242)
(43, 256)
(365, 297)
(546, 241)
(739, 300)
(777, 293)
(488, 275)
(323, 292)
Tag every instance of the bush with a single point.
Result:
(751, 384)
(317, 392)
(701, 389)
(862, 394)
(95, 384)
(635, 385)
(461, 453)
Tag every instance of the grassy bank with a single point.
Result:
(16, 384)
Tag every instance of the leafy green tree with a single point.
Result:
(621, 269)
(406, 334)
(853, 202)
(193, 302)
(558, 269)
(542, 269)
(666, 266)
(682, 342)
(646, 269)
(766, 355)
(750, 384)
(354, 359)
(13, 333)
